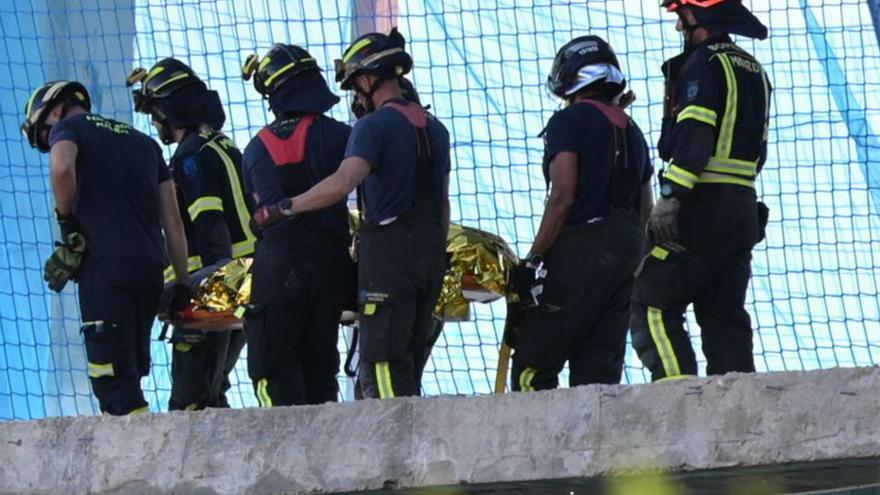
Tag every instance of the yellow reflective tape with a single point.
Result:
(242, 248)
(98, 370)
(193, 263)
(203, 204)
(659, 253)
(661, 341)
(30, 103)
(525, 380)
(182, 347)
(681, 176)
(240, 312)
(732, 166)
(698, 113)
(278, 73)
(728, 122)
(369, 309)
(182, 75)
(711, 178)
(354, 49)
(241, 209)
(263, 393)
(140, 410)
(383, 380)
(153, 73)
(265, 62)
(191, 407)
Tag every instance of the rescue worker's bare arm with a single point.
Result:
(172, 225)
(647, 203)
(563, 183)
(62, 164)
(334, 188)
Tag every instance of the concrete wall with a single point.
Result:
(739, 434)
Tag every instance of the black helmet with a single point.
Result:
(721, 16)
(374, 53)
(41, 103)
(164, 79)
(578, 53)
(279, 64)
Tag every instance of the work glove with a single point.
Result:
(515, 312)
(175, 298)
(663, 223)
(527, 280)
(64, 262)
(270, 214)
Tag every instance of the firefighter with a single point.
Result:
(206, 168)
(703, 228)
(113, 199)
(399, 156)
(302, 268)
(597, 169)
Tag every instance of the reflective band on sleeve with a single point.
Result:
(713, 178)
(203, 204)
(192, 264)
(526, 378)
(98, 370)
(732, 166)
(698, 113)
(241, 209)
(728, 122)
(661, 341)
(263, 393)
(242, 248)
(681, 176)
(659, 253)
(383, 380)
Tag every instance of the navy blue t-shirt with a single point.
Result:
(118, 172)
(389, 143)
(585, 130)
(325, 146)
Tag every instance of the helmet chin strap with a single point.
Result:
(689, 30)
(165, 133)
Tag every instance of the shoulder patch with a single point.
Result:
(190, 167)
(691, 90)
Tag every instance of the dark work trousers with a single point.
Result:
(400, 273)
(717, 228)
(584, 312)
(200, 366)
(118, 298)
(300, 274)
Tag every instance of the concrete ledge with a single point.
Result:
(741, 434)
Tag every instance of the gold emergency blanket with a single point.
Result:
(226, 289)
(480, 263)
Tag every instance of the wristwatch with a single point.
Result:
(286, 207)
(535, 260)
(667, 191)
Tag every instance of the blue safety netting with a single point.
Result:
(481, 64)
